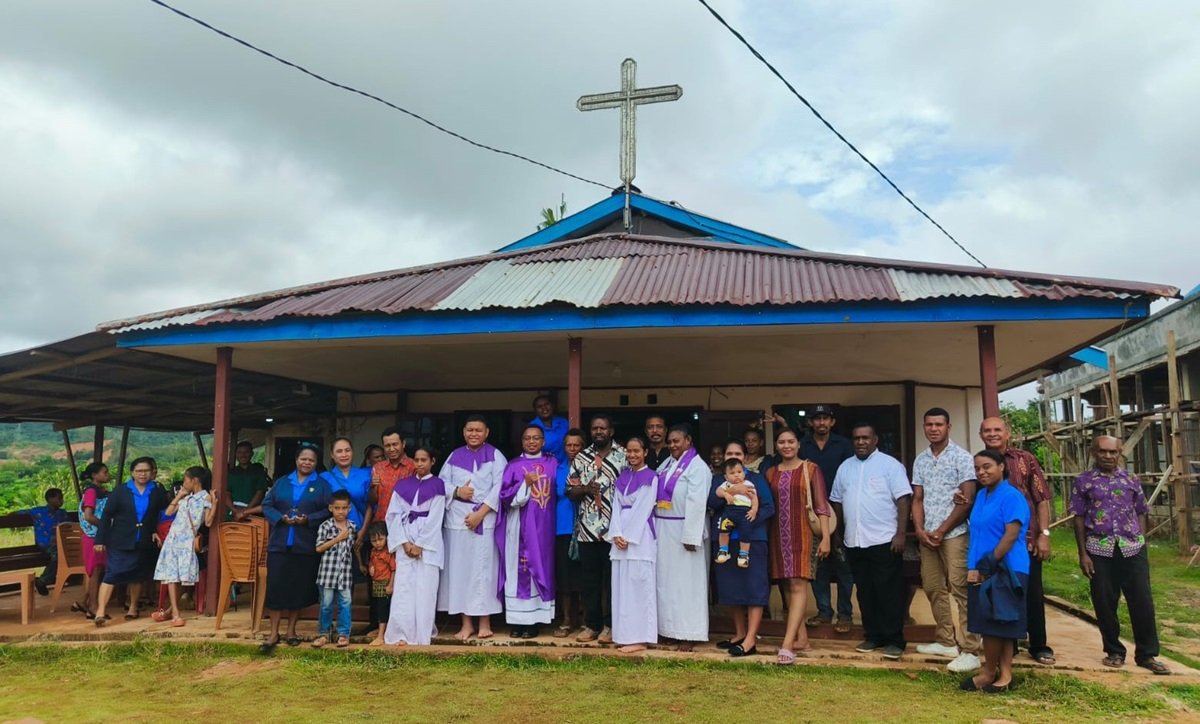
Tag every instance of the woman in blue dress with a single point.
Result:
(997, 571)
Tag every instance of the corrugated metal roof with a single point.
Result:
(578, 282)
(619, 269)
(911, 286)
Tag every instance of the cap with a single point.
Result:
(822, 410)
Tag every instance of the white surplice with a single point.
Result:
(414, 594)
(682, 574)
(470, 576)
(634, 582)
(521, 611)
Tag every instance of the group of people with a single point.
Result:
(616, 543)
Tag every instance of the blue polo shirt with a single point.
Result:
(357, 483)
(555, 435)
(44, 523)
(564, 507)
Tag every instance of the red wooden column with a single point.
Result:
(220, 468)
(575, 382)
(989, 386)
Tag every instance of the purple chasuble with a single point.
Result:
(666, 486)
(535, 549)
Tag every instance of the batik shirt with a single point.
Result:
(1109, 504)
(595, 511)
(1025, 474)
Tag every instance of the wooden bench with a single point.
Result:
(17, 558)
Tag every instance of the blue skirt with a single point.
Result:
(133, 566)
(977, 624)
(743, 586)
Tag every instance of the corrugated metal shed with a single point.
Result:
(621, 270)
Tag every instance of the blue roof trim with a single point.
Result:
(601, 213)
(1092, 356)
(570, 319)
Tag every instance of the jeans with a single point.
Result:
(343, 617)
(835, 566)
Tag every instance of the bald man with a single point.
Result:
(1025, 474)
(1110, 512)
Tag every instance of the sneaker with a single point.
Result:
(966, 662)
(867, 647)
(892, 653)
(936, 649)
(587, 635)
(605, 635)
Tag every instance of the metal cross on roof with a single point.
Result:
(628, 99)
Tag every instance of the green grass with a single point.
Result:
(152, 681)
(1176, 590)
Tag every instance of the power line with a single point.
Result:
(374, 97)
(835, 131)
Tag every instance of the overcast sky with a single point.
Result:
(146, 163)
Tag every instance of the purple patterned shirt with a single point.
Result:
(1109, 505)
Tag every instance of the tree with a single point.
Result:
(550, 218)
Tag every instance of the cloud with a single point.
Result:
(149, 163)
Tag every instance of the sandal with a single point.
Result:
(178, 623)
(343, 642)
(77, 607)
(130, 615)
(816, 621)
(1113, 661)
(317, 643)
(268, 647)
(1046, 658)
(293, 641)
(159, 615)
(562, 632)
(1155, 667)
(101, 620)
(785, 657)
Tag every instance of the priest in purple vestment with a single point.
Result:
(525, 536)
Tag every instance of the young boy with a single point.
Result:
(335, 578)
(381, 569)
(45, 519)
(740, 511)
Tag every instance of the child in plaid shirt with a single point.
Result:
(335, 577)
(382, 570)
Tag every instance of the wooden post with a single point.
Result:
(121, 456)
(200, 449)
(222, 407)
(71, 461)
(910, 430)
(989, 385)
(98, 444)
(1114, 386)
(575, 382)
(1183, 513)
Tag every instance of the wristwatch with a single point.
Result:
(1046, 532)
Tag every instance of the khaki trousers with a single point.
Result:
(944, 576)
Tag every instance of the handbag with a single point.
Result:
(814, 520)
(197, 541)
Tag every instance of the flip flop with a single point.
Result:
(178, 623)
(786, 657)
(268, 647)
(101, 620)
(319, 641)
(842, 627)
(816, 621)
(159, 615)
(562, 632)
(343, 642)
(1113, 661)
(1155, 667)
(131, 616)
(1045, 659)
(77, 607)
(293, 641)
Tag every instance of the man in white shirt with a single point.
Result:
(941, 471)
(872, 496)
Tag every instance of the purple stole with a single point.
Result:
(666, 486)
(468, 459)
(535, 546)
(415, 492)
(629, 481)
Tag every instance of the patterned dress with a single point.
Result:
(792, 545)
(177, 561)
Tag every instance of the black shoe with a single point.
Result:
(892, 653)
(268, 647)
(41, 588)
(531, 632)
(867, 647)
(993, 689)
(737, 651)
(727, 644)
(516, 632)
(968, 684)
